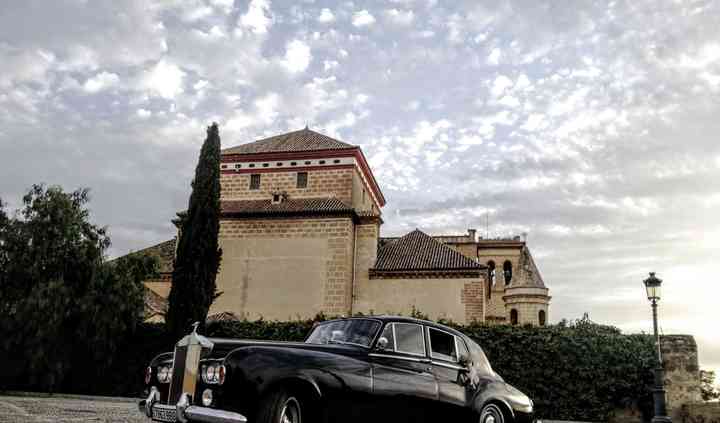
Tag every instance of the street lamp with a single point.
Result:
(652, 285)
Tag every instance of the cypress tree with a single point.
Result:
(198, 256)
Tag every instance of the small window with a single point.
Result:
(276, 198)
(302, 179)
(513, 317)
(255, 181)
(279, 164)
(409, 338)
(321, 162)
(266, 164)
(251, 165)
(224, 166)
(293, 163)
(336, 161)
(541, 317)
(442, 345)
(238, 166)
(507, 272)
(308, 162)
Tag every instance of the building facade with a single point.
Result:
(300, 233)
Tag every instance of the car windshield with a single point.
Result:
(351, 331)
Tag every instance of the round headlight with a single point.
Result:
(210, 373)
(221, 374)
(148, 375)
(163, 374)
(207, 397)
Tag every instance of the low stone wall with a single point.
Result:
(682, 384)
(682, 372)
(708, 412)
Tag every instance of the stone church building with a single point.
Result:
(300, 234)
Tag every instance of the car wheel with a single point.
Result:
(281, 406)
(492, 413)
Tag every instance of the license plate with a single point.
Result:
(165, 413)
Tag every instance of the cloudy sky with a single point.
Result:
(592, 126)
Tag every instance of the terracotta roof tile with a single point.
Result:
(155, 305)
(419, 251)
(302, 140)
(288, 206)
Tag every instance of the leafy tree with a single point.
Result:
(198, 256)
(708, 390)
(62, 304)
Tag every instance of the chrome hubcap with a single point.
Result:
(490, 419)
(290, 411)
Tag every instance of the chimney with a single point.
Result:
(471, 234)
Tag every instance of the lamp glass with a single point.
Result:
(653, 292)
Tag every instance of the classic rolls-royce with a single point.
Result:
(379, 369)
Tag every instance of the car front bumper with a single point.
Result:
(184, 412)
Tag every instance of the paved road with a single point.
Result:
(35, 410)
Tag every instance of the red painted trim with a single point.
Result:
(288, 155)
(285, 169)
(301, 155)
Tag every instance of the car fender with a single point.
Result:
(505, 394)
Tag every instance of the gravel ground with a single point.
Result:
(54, 409)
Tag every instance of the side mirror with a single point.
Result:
(382, 343)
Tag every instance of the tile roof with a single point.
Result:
(155, 305)
(302, 140)
(418, 251)
(287, 206)
(164, 251)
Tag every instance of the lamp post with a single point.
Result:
(652, 285)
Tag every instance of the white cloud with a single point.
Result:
(297, 56)
(499, 85)
(494, 56)
(258, 17)
(101, 81)
(267, 108)
(143, 113)
(330, 64)
(400, 17)
(362, 18)
(326, 16)
(164, 79)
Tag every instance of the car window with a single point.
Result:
(462, 349)
(350, 331)
(409, 338)
(388, 334)
(442, 345)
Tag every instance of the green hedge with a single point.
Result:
(575, 371)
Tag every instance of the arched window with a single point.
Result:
(541, 317)
(513, 317)
(507, 272)
(490, 277)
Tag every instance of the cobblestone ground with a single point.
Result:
(34, 410)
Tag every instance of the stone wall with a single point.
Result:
(453, 298)
(336, 183)
(285, 269)
(699, 413)
(682, 385)
(682, 372)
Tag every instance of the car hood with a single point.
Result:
(222, 346)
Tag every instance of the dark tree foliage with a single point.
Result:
(63, 306)
(198, 256)
(708, 390)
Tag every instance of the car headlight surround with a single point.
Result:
(164, 374)
(213, 373)
(207, 397)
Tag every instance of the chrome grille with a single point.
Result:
(178, 371)
(164, 413)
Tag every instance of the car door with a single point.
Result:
(445, 350)
(404, 385)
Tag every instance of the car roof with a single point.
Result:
(384, 318)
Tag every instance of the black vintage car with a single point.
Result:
(369, 369)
